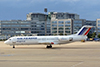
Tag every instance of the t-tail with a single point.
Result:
(84, 30)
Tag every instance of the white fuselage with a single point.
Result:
(46, 40)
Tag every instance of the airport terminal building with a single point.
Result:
(98, 26)
(68, 23)
(23, 27)
(92, 23)
(36, 16)
(61, 27)
(63, 15)
(66, 26)
(55, 23)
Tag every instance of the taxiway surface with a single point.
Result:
(75, 54)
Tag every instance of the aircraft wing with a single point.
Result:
(46, 43)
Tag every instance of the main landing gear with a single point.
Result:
(13, 46)
(49, 46)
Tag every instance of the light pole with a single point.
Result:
(45, 10)
(96, 32)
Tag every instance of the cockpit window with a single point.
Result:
(9, 39)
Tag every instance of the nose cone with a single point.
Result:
(6, 42)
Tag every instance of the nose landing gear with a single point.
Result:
(13, 46)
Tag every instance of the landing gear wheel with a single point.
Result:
(50, 46)
(13, 46)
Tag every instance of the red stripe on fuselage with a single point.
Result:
(87, 31)
(52, 43)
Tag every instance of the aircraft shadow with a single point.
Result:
(74, 48)
(57, 48)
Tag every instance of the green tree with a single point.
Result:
(93, 35)
(89, 35)
(98, 35)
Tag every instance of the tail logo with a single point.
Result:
(87, 31)
(84, 31)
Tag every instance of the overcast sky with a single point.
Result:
(18, 9)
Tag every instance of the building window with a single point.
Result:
(54, 22)
(77, 25)
(67, 31)
(38, 25)
(67, 22)
(8, 32)
(67, 28)
(77, 22)
(60, 22)
(98, 24)
(98, 21)
(6, 28)
(42, 28)
(33, 22)
(38, 28)
(48, 25)
(24, 25)
(33, 25)
(99, 31)
(37, 31)
(54, 31)
(24, 28)
(33, 28)
(98, 28)
(20, 31)
(54, 25)
(24, 22)
(61, 31)
(38, 22)
(61, 28)
(60, 25)
(67, 25)
(48, 28)
(48, 31)
(54, 28)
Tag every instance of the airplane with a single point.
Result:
(49, 40)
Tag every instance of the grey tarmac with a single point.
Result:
(76, 54)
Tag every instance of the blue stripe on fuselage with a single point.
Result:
(82, 31)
